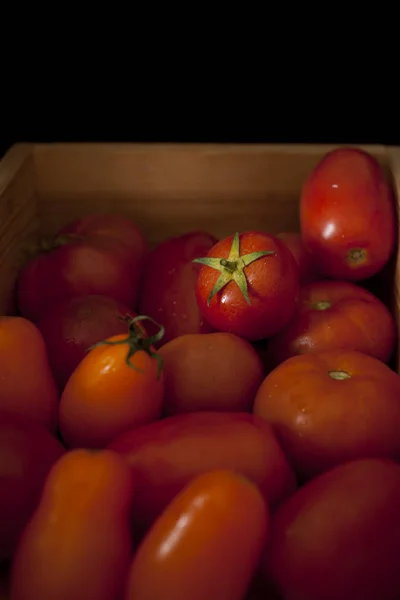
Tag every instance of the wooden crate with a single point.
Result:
(167, 189)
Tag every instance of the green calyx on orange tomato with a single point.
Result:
(137, 340)
(232, 268)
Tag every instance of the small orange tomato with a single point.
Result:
(27, 386)
(117, 386)
(206, 545)
(77, 545)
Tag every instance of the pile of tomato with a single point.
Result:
(207, 419)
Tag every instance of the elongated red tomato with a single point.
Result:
(77, 545)
(206, 545)
(347, 215)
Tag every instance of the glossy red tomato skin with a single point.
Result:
(338, 537)
(167, 454)
(273, 288)
(72, 326)
(303, 257)
(322, 421)
(168, 286)
(347, 203)
(27, 453)
(336, 315)
(93, 265)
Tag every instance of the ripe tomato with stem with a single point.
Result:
(248, 285)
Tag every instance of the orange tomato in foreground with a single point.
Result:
(332, 407)
(336, 315)
(27, 386)
(338, 537)
(167, 454)
(118, 385)
(210, 371)
(206, 545)
(77, 545)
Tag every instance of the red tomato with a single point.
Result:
(168, 287)
(248, 285)
(27, 452)
(118, 385)
(77, 545)
(200, 373)
(336, 315)
(77, 266)
(205, 545)
(27, 386)
(72, 326)
(347, 215)
(303, 257)
(331, 407)
(338, 537)
(166, 455)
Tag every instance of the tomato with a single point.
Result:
(347, 215)
(111, 225)
(74, 266)
(27, 452)
(338, 537)
(168, 287)
(214, 371)
(248, 285)
(27, 385)
(336, 315)
(77, 543)
(118, 385)
(72, 326)
(303, 257)
(202, 546)
(166, 455)
(331, 407)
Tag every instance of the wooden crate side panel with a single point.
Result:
(170, 189)
(18, 218)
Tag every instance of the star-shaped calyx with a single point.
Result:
(232, 268)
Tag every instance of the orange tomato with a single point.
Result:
(27, 386)
(77, 544)
(118, 385)
(206, 545)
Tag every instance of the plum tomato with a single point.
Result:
(303, 257)
(336, 315)
(331, 407)
(168, 287)
(27, 385)
(210, 371)
(347, 215)
(338, 537)
(27, 452)
(167, 454)
(248, 285)
(206, 544)
(72, 326)
(77, 544)
(118, 385)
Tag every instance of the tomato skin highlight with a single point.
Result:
(347, 215)
(272, 282)
(77, 544)
(105, 396)
(339, 536)
(166, 455)
(206, 544)
(331, 407)
(168, 287)
(336, 315)
(214, 371)
(27, 385)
